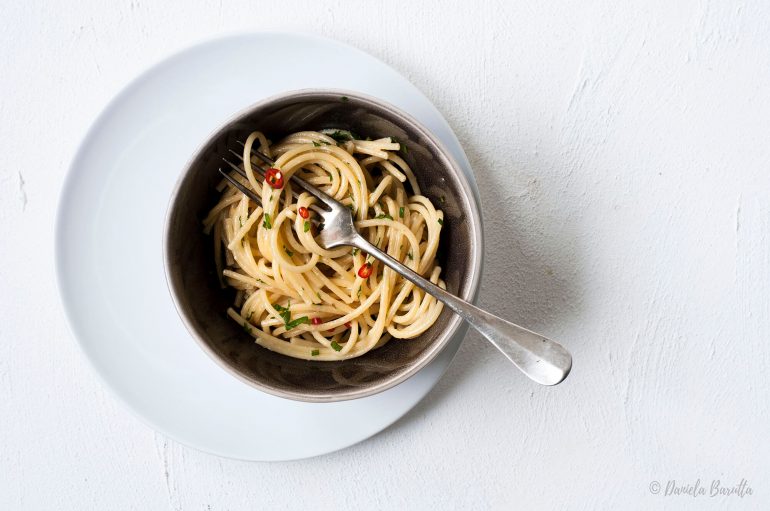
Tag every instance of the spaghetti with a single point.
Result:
(299, 299)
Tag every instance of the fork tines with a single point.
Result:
(237, 168)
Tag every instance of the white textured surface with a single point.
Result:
(623, 158)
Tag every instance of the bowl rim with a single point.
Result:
(476, 248)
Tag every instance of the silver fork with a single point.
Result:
(543, 360)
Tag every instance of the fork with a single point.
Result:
(541, 359)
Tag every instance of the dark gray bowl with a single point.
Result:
(202, 304)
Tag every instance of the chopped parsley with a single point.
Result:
(299, 321)
(344, 98)
(267, 223)
(401, 146)
(284, 312)
(342, 135)
(319, 143)
(315, 353)
(247, 328)
(316, 144)
(336, 346)
(441, 221)
(240, 222)
(401, 212)
(355, 251)
(442, 199)
(307, 225)
(288, 252)
(383, 215)
(409, 255)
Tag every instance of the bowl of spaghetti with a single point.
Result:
(275, 308)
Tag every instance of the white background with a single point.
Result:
(622, 151)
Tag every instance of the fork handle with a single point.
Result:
(543, 360)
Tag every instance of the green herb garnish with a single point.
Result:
(267, 223)
(409, 255)
(342, 135)
(336, 346)
(299, 321)
(442, 199)
(339, 136)
(441, 221)
(383, 215)
(344, 98)
(315, 353)
(355, 251)
(401, 212)
(288, 252)
(316, 144)
(307, 225)
(284, 312)
(401, 146)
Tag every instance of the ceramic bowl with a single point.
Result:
(202, 304)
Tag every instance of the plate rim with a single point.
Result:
(125, 91)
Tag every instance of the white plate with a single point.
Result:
(108, 247)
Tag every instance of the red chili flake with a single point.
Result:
(365, 270)
(303, 212)
(316, 321)
(274, 177)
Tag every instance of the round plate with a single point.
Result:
(109, 254)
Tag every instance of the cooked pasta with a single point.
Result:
(299, 299)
